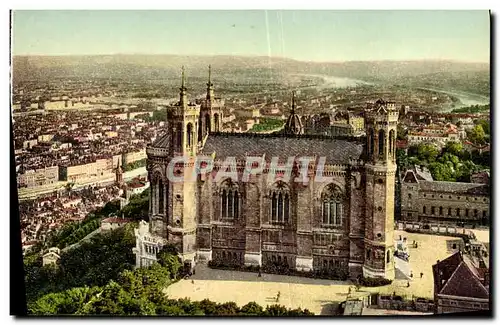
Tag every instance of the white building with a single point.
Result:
(147, 245)
(51, 257)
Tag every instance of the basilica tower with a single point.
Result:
(381, 121)
(210, 112)
(170, 168)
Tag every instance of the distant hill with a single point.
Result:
(148, 67)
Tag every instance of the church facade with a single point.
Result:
(342, 221)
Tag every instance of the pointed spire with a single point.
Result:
(293, 102)
(183, 86)
(210, 85)
(209, 75)
(182, 94)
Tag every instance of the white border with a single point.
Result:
(186, 4)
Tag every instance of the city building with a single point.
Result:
(428, 201)
(343, 225)
(51, 257)
(461, 284)
(113, 223)
(38, 177)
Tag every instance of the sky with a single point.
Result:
(319, 36)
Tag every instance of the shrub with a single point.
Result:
(374, 282)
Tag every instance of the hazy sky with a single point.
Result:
(301, 35)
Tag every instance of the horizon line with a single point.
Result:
(250, 56)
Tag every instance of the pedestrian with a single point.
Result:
(278, 296)
(192, 281)
(411, 274)
(421, 275)
(260, 274)
(416, 245)
(408, 284)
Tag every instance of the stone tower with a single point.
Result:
(381, 121)
(119, 174)
(170, 169)
(210, 112)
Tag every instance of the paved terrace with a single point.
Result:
(318, 295)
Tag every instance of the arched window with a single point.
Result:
(280, 203)
(286, 214)
(161, 198)
(458, 212)
(475, 213)
(179, 136)
(388, 257)
(466, 212)
(433, 210)
(381, 142)
(371, 141)
(424, 210)
(230, 203)
(274, 204)
(224, 204)
(200, 130)
(449, 211)
(230, 200)
(368, 254)
(189, 131)
(440, 211)
(207, 123)
(236, 201)
(216, 122)
(332, 205)
(391, 142)
(409, 195)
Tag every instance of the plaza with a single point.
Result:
(319, 296)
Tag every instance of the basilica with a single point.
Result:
(345, 223)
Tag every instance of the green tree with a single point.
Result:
(477, 135)
(427, 152)
(252, 308)
(276, 310)
(454, 148)
(441, 172)
(485, 124)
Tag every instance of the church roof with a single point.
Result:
(455, 187)
(335, 150)
(455, 277)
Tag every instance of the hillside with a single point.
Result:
(241, 69)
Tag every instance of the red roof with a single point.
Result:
(401, 144)
(454, 277)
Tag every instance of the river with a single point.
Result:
(465, 98)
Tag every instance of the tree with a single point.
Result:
(170, 261)
(477, 135)
(485, 124)
(252, 308)
(228, 308)
(454, 148)
(441, 172)
(427, 152)
(275, 310)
